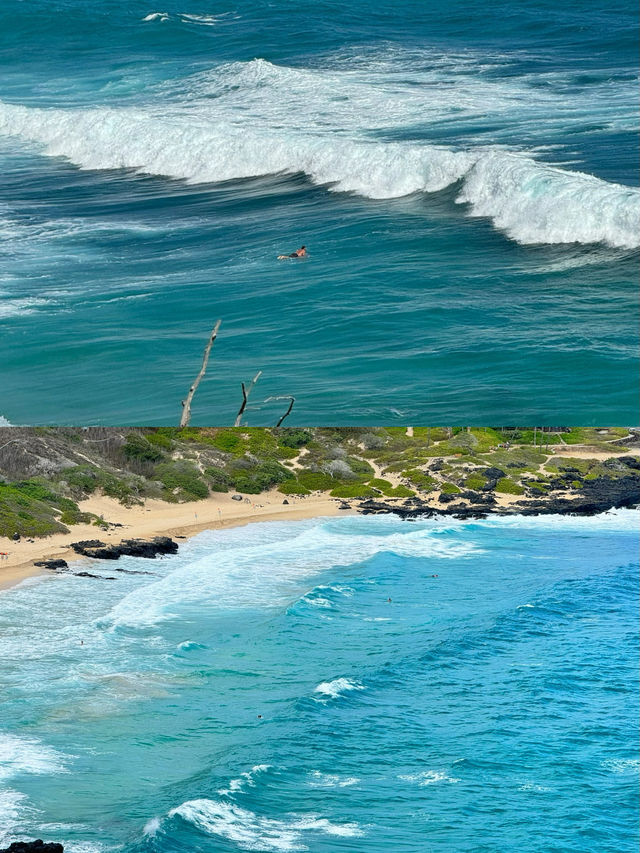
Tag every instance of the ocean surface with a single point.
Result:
(464, 176)
(353, 684)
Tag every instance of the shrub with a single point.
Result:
(81, 480)
(422, 481)
(316, 480)
(230, 441)
(219, 480)
(181, 481)
(159, 439)
(400, 492)
(371, 441)
(295, 438)
(70, 516)
(449, 489)
(339, 469)
(509, 487)
(353, 490)
(475, 481)
(293, 487)
(137, 447)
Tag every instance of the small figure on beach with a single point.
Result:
(299, 253)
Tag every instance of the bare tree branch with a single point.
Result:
(186, 404)
(245, 397)
(287, 413)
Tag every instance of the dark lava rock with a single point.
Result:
(236, 497)
(127, 548)
(38, 846)
(478, 498)
(285, 502)
(89, 575)
(494, 473)
(630, 462)
(445, 498)
(344, 506)
(595, 496)
(438, 465)
(54, 565)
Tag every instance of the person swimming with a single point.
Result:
(299, 253)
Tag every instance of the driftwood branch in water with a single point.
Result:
(245, 398)
(186, 404)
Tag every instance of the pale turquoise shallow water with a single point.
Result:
(465, 180)
(259, 691)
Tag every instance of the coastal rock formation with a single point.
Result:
(587, 497)
(38, 846)
(127, 548)
(54, 565)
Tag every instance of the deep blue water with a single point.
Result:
(463, 175)
(360, 684)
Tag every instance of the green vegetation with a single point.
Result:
(189, 464)
(449, 489)
(475, 481)
(31, 508)
(507, 486)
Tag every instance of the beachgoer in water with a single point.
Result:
(299, 253)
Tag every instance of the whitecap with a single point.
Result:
(247, 778)
(228, 123)
(337, 687)
(331, 780)
(252, 832)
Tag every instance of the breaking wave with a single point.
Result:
(252, 832)
(228, 124)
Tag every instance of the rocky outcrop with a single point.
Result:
(54, 565)
(38, 846)
(127, 548)
(588, 497)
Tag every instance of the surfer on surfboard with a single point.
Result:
(299, 253)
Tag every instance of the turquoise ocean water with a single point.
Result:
(463, 175)
(259, 691)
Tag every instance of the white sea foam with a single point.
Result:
(533, 787)
(257, 571)
(428, 777)
(28, 755)
(337, 687)
(21, 307)
(228, 123)
(12, 811)
(622, 765)
(331, 780)
(156, 16)
(248, 778)
(4, 422)
(151, 827)
(252, 832)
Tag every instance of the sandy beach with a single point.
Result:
(157, 518)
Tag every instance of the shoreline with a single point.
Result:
(157, 518)
(219, 511)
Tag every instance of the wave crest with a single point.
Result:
(229, 124)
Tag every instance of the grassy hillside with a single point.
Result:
(44, 473)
